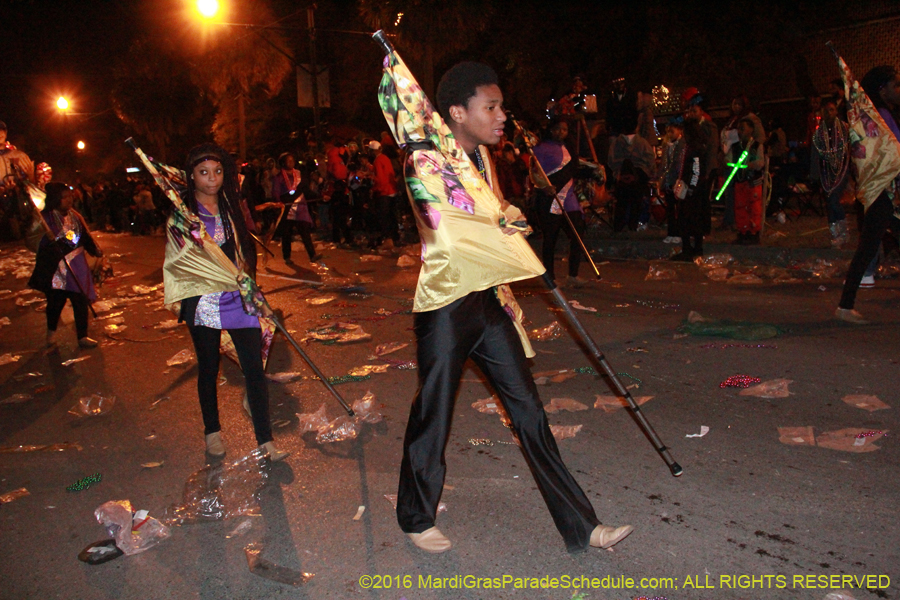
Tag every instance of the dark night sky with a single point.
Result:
(70, 47)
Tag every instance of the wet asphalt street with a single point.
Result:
(755, 515)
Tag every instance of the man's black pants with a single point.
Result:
(476, 326)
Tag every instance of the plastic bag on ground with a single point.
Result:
(553, 331)
(180, 358)
(134, 532)
(342, 428)
(93, 405)
(744, 279)
(562, 432)
(713, 261)
(718, 273)
(558, 404)
(659, 272)
(221, 491)
(774, 388)
(365, 409)
(312, 421)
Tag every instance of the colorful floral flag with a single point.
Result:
(873, 148)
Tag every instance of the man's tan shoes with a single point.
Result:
(605, 537)
(433, 541)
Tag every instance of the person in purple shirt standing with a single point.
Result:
(560, 167)
(286, 189)
(61, 270)
(213, 194)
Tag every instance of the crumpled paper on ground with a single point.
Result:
(865, 402)
(388, 348)
(846, 440)
(797, 436)
(180, 358)
(557, 376)
(774, 388)
(342, 333)
(364, 370)
(406, 261)
(7, 358)
(558, 404)
(562, 432)
(10, 496)
(319, 300)
(851, 439)
(613, 403)
(493, 406)
(221, 491)
(553, 331)
(134, 532)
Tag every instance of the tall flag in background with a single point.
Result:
(874, 150)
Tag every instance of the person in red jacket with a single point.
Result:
(384, 192)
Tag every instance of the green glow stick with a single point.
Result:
(737, 166)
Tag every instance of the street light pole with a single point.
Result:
(314, 68)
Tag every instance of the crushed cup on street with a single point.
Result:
(93, 405)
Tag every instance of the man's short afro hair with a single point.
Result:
(461, 82)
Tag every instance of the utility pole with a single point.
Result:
(314, 67)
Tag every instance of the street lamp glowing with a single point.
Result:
(62, 103)
(80, 145)
(208, 8)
